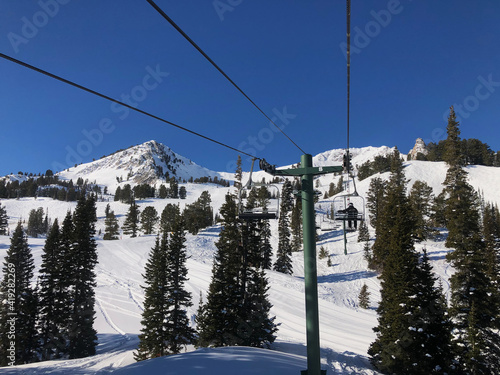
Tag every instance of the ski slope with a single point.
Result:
(346, 330)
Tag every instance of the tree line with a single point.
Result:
(55, 318)
(419, 331)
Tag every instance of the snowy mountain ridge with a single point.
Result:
(148, 163)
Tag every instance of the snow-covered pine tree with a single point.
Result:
(131, 224)
(3, 221)
(474, 308)
(53, 297)
(149, 218)
(83, 253)
(153, 341)
(18, 312)
(420, 200)
(111, 227)
(284, 261)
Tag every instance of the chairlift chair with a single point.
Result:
(252, 205)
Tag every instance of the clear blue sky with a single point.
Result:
(411, 60)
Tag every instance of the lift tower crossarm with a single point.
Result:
(307, 172)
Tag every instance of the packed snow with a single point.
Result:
(346, 329)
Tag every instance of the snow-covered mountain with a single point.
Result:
(145, 163)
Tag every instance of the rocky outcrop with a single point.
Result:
(419, 148)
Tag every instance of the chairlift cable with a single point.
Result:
(159, 10)
(26, 65)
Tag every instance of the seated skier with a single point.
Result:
(352, 216)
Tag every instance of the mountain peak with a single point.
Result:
(149, 162)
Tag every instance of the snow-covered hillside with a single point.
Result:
(346, 330)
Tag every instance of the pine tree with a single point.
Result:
(4, 221)
(237, 307)
(35, 223)
(182, 192)
(153, 341)
(409, 301)
(395, 214)
(364, 297)
(168, 216)
(131, 224)
(53, 297)
(218, 318)
(111, 227)
(284, 261)
(18, 312)
(296, 225)
(178, 332)
(149, 218)
(238, 174)
(474, 305)
(82, 335)
(375, 200)
(420, 201)
(363, 234)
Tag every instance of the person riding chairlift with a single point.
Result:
(352, 216)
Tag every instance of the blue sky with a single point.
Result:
(411, 60)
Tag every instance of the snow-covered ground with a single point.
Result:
(346, 330)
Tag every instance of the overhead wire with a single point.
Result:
(198, 48)
(81, 87)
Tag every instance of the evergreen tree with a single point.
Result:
(363, 234)
(437, 210)
(153, 341)
(149, 218)
(264, 230)
(238, 174)
(364, 297)
(178, 332)
(83, 253)
(237, 307)
(200, 214)
(53, 297)
(395, 215)
(163, 192)
(4, 221)
(375, 200)
(168, 216)
(296, 225)
(118, 194)
(218, 318)
(411, 309)
(111, 229)
(18, 312)
(474, 305)
(284, 261)
(131, 224)
(35, 223)
(182, 192)
(420, 201)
